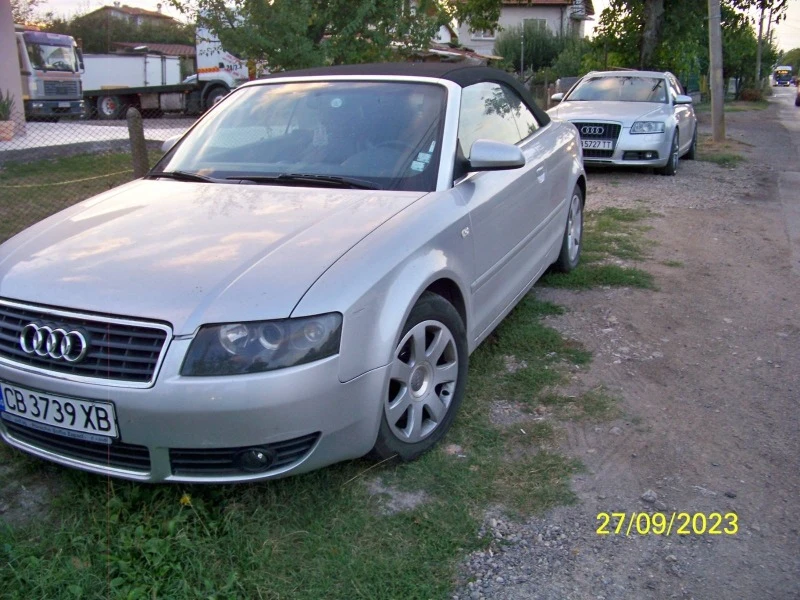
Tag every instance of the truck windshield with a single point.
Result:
(52, 58)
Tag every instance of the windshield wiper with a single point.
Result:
(310, 178)
(183, 176)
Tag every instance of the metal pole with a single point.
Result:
(522, 53)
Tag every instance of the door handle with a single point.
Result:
(541, 174)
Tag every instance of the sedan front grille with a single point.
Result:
(599, 131)
(224, 461)
(118, 349)
(117, 454)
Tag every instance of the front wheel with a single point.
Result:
(427, 378)
(570, 254)
(672, 164)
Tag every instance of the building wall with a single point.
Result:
(557, 18)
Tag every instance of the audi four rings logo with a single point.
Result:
(592, 130)
(55, 342)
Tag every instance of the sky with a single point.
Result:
(787, 33)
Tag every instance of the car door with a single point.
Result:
(684, 116)
(512, 212)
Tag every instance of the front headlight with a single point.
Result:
(258, 346)
(648, 127)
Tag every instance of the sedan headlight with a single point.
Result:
(648, 127)
(258, 346)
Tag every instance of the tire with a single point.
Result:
(426, 382)
(672, 164)
(691, 153)
(215, 95)
(570, 254)
(111, 107)
(797, 100)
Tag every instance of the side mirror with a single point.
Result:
(557, 97)
(488, 155)
(683, 99)
(167, 145)
(80, 60)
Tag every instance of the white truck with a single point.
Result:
(150, 82)
(50, 67)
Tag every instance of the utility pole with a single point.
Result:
(715, 76)
(522, 53)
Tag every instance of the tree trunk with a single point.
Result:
(758, 48)
(651, 34)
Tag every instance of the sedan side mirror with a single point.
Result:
(167, 145)
(489, 155)
(683, 99)
(557, 97)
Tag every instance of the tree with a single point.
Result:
(98, 32)
(541, 47)
(22, 10)
(290, 34)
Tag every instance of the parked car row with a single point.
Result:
(302, 277)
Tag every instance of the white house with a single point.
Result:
(562, 17)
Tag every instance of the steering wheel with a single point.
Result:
(60, 64)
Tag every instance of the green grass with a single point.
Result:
(610, 233)
(594, 405)
(672, 263)
(32, 191)
(726, 154)
(733, 106)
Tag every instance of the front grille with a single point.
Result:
(117, 454)
(119, 350)
(222, 461)
(61, 89)
(610, 131)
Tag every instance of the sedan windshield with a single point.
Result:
(620, 89)
(359, 134)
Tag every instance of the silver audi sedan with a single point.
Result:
(299, 280)
(631, 118)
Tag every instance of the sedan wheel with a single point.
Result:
(672, 166)
(426, 380)
(570, 254)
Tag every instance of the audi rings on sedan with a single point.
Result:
(300, 280)
(631, 118)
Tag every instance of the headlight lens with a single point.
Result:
(648, 127)
(253, 347)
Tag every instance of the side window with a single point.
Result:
(494, 112)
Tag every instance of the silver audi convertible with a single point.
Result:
(299, 280)
(631, 118)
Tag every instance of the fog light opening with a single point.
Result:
(255, 460)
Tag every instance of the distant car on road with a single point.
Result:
(298, 281)
(631, 118)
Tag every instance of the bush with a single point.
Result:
(751, 95)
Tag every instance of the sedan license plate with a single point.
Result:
(597, 144)
(63, 105)
(69, 417)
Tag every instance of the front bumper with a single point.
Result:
(632, 150)
(193, 429)
(54, 108)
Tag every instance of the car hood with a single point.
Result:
(191, 253)
(619, 112)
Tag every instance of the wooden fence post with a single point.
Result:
(141, 164)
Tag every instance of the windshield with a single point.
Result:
(384, 134)
(52, 58)
(620, 89)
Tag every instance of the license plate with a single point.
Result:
(63, 105)
(597, 144)
(69, 417)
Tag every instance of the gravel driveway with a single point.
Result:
(708, 372)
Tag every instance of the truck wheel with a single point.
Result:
(111, 107)
(215, 95)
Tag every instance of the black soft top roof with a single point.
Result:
(463, 75)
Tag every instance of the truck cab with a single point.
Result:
(50, 67)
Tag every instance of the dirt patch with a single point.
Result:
(393, 500)
(708, 373)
